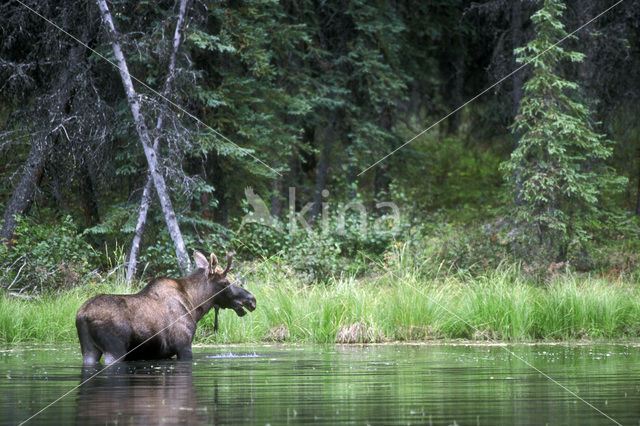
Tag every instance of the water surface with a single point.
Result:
(389, 384)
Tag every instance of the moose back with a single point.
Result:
(159, 321)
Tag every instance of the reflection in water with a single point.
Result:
(140, 393)
(403, 384)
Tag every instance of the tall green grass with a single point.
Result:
(404, 307)
(399, 306)
(49, 318)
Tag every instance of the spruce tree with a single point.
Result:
(558, 169)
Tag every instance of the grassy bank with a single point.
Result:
(389, 307)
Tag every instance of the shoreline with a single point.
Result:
(497, 309)
(26, 346)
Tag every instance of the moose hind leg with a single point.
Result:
(90, 352)
(112, 345)
(112, 357)
(114, 351)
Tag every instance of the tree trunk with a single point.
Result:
(281, 185)
(455, 90)
(277, 202)
(23, 194)
(205, 197)
(381, 183)
(381, 180)
(219, 178)
(145, 201)
(516, 96)
(143, 133)
(583, 13)
(638, 195)
(516, 41)
(415, 100)
(88, 197)
(322, 170)
(351, 183)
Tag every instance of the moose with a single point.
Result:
(160, 320)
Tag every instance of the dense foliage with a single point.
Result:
(558, 168)
(280, 108)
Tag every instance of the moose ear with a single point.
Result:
(213, 264)
(201, 261)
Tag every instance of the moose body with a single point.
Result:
(159, 321)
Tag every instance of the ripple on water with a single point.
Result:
(232, 355)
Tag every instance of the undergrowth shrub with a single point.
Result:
(441, 246)
(332, 247)
(159, 257)
(45, 256)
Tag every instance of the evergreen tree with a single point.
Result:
(558, 168)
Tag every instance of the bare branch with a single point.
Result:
(15, 279)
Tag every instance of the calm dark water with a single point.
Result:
(404, 384)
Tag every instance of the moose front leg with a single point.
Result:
(183, 342)
(215, 322)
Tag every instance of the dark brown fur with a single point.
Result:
(163, 315)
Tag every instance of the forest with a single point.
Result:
(334, 141)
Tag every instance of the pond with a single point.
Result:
(379, 384)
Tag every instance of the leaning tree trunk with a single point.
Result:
(143, 133)
(23, 194)
(145, 202)
(25, 191)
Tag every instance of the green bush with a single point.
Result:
(45, 256)
(254, 240)
(437, 246)
(329, 249)
(159, 258)
(316, 258)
